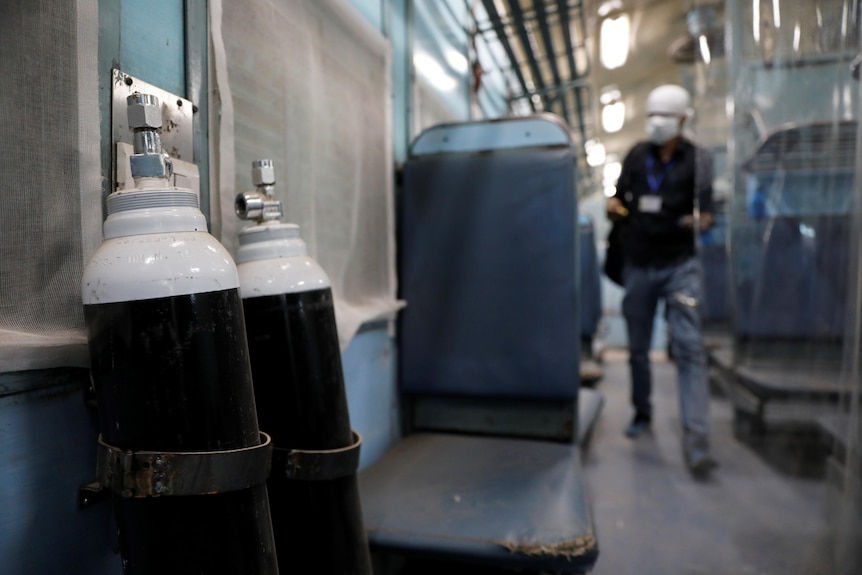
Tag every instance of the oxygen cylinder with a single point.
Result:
(299, 386)
(180, 447)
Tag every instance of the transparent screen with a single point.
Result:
(783, 257)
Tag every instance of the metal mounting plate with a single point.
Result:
(177, 113)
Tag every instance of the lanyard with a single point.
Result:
(654, 181)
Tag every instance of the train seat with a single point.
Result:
(591, 300)
(791, 251)
(489, 469)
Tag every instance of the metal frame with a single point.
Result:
(540, 130)
(197, 90)
(573, 68)
(142, 474)
(499, 29)
(551, 55)
(532, 14)
(524, 35)
(563, 91)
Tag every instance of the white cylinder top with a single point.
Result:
(150, 211)
(272, 259)
(152, 250)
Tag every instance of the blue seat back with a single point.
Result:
(590, 278)
(800, 291)
(487, 256)
(791, 244)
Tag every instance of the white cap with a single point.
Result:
(669, 100)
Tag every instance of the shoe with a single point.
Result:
(639, 425)
(695, 449)
(700, 464)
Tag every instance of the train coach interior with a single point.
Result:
(426, 214)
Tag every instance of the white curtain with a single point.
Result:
(308, 85)
(50, 222)
(310, 89)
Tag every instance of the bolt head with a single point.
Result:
(144, 111)
(263, 172)
(160, 486)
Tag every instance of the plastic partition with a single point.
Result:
(792, 105)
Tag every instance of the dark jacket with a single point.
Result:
(658, 239)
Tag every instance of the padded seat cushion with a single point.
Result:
(508, 502)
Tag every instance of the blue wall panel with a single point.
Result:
(440, 35)
(47, 451)
(372, 10)
(369, 376)
(152, 43)
(400, 37)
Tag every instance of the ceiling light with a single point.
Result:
(596, 153)
(614, 41)
(611, 172)
(613, 117)
(609, 7)
(610, 94)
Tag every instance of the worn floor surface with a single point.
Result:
(763, 511)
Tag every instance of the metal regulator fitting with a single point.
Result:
(145, 120)
(260, 205)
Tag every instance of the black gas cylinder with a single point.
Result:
(171, 373)
(300, 394)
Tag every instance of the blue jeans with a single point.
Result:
(680, 288)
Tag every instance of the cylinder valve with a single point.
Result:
(145, 120)
(260, 205)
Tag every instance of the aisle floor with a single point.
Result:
(762, 512)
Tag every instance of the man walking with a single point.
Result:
(664, 194)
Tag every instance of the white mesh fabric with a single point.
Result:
(310, 87)
(49, 177)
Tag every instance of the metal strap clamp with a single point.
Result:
(318, 465)
(152, 474)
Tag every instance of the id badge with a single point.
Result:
(650, 204)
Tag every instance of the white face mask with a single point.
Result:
(662, 129)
